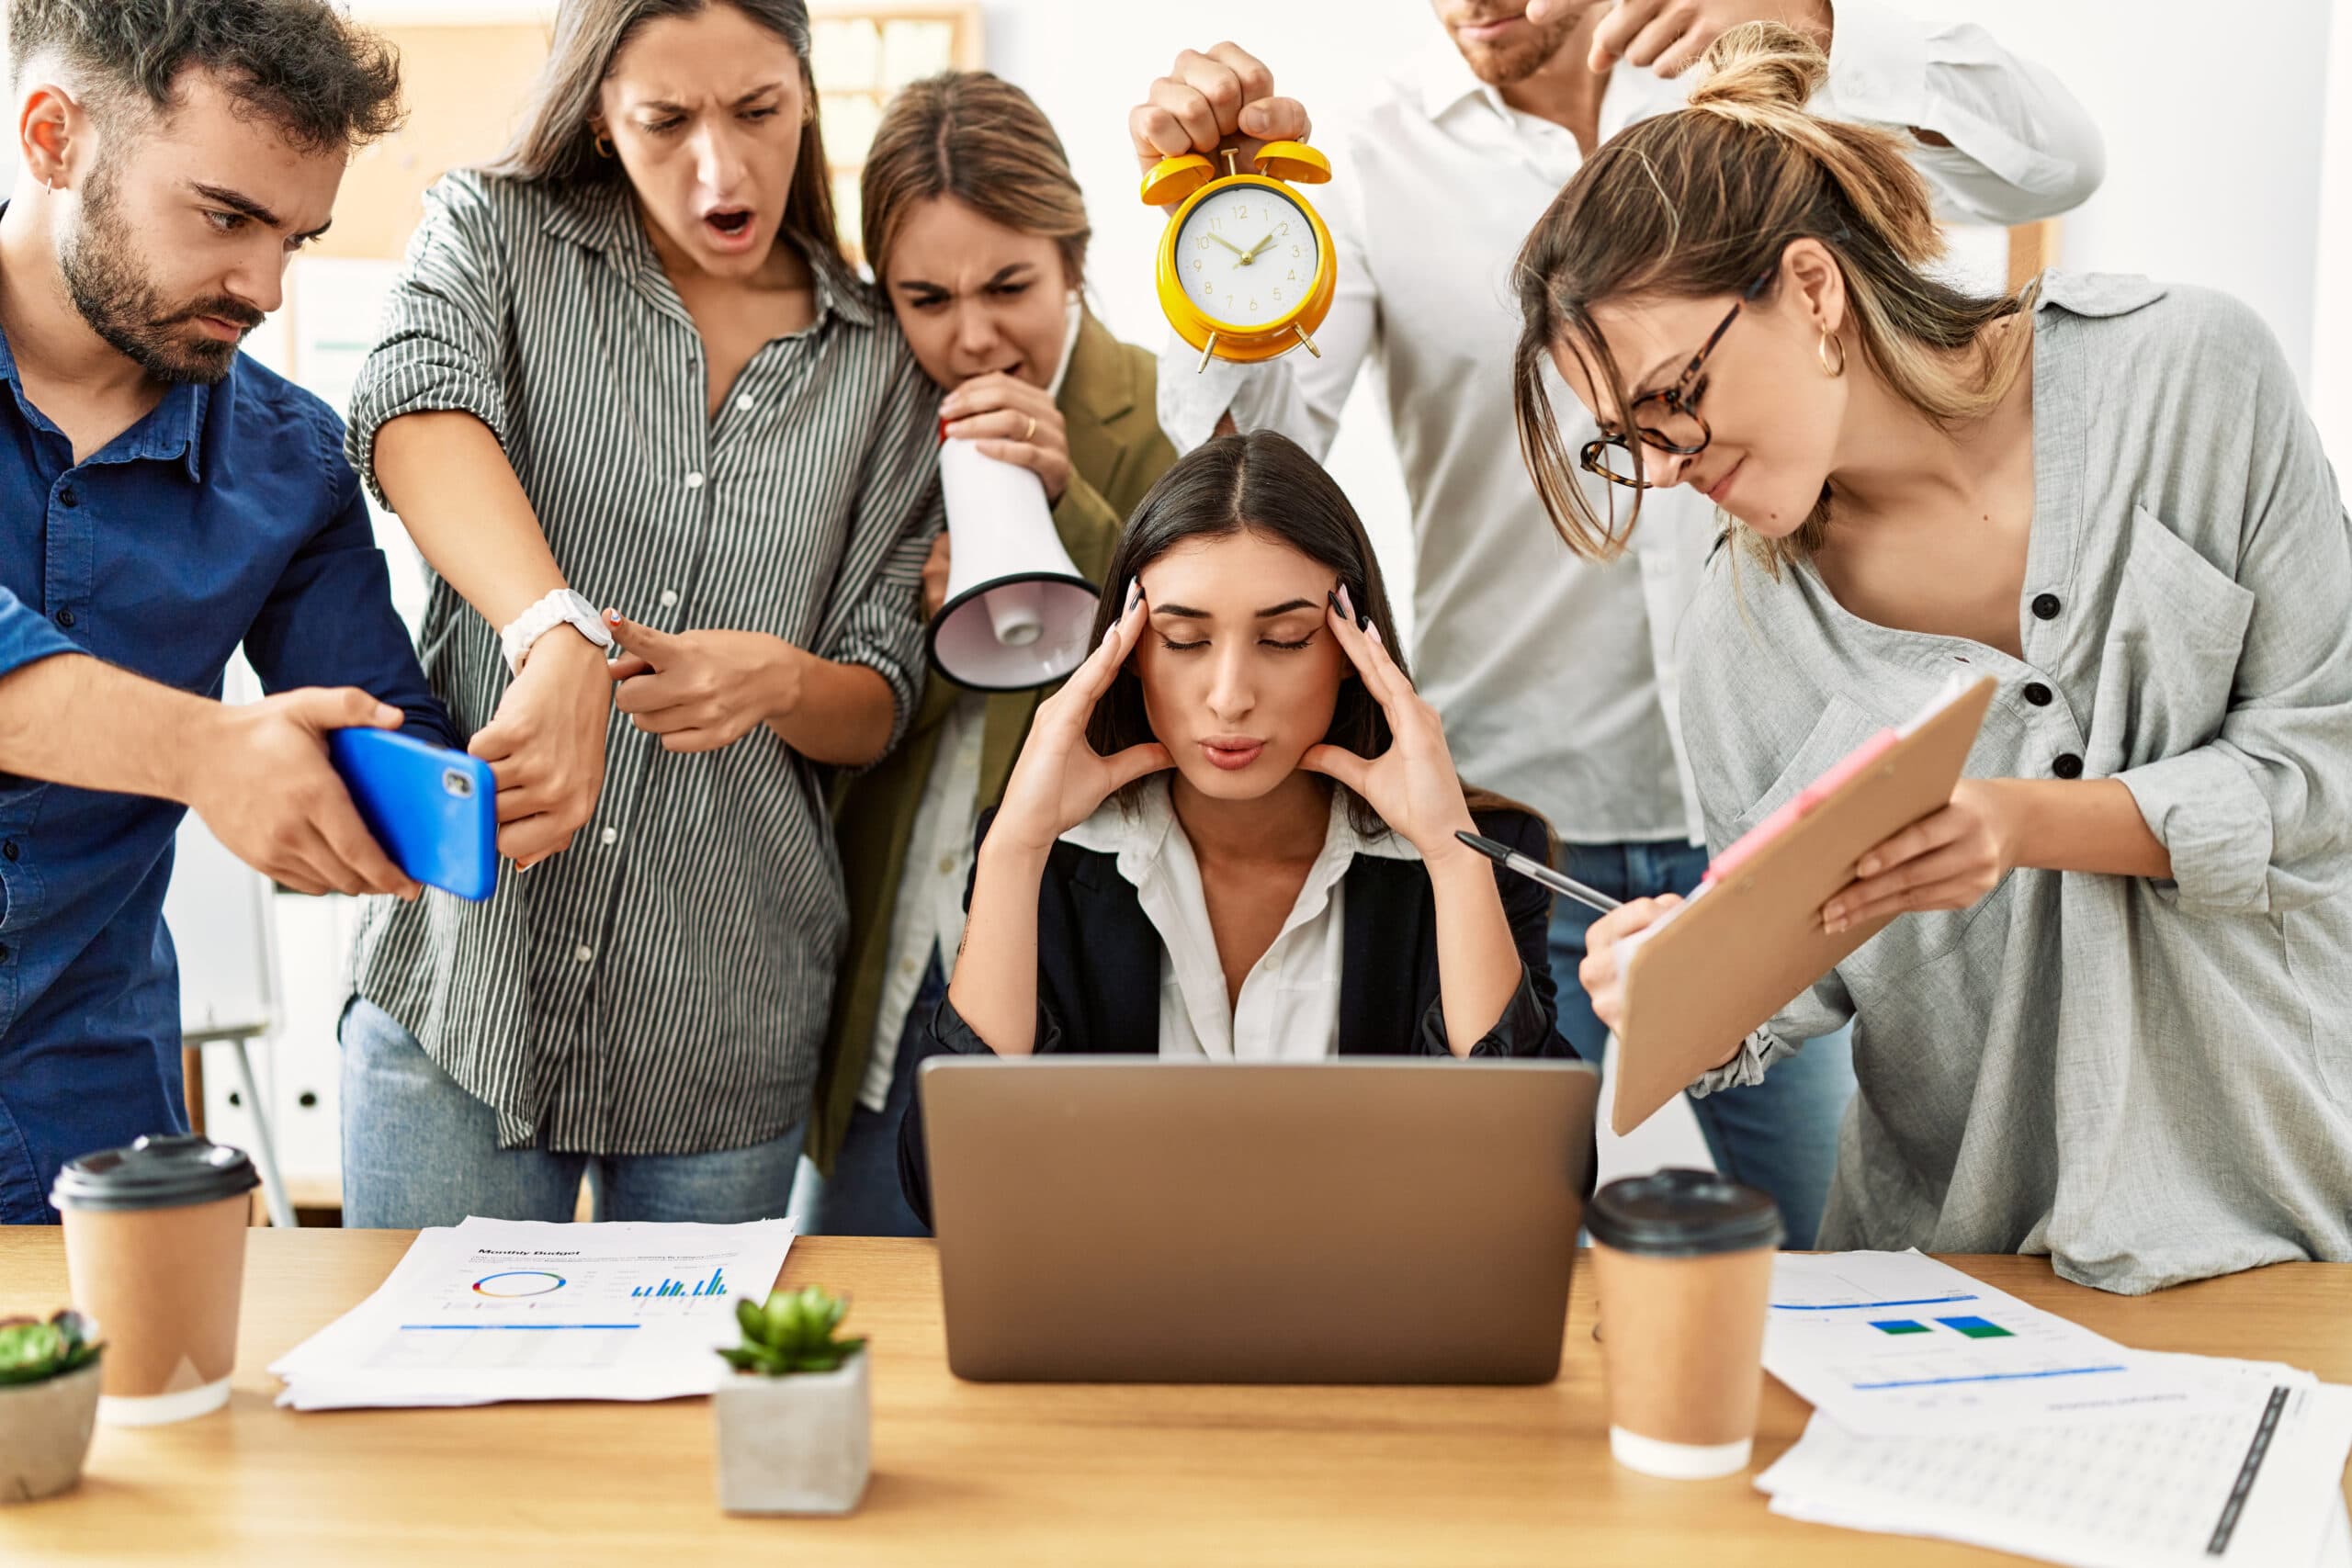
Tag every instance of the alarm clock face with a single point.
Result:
(1247, 255)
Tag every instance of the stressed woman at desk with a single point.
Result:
(1231, 835)
(2115, 1024)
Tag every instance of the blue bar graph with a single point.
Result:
(714, 1286)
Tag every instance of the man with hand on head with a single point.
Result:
(162, 500)
(1556, 677)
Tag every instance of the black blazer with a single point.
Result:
(1099, 960)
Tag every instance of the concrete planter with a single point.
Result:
(45, 1433)
(795, 1445)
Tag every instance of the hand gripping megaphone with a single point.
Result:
(1018, 613)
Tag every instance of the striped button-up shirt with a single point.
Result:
(662, 986)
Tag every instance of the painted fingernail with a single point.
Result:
(1347, 605)
(1374, 633)
(1135, 593)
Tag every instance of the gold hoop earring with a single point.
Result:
(1821, 352)
(603, 145)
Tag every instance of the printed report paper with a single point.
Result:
(506, 1309)
(1889, 1343)
(2253, 1476)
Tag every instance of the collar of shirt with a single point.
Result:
(604, 218)
(1289, 1003)
(1446, 84)
(173, 429)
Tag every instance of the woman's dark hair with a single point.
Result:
(1259, 483)
(557, 144)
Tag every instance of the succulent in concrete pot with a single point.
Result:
(49, 1404)
(796, 1420)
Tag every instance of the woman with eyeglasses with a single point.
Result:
(2115, 1025)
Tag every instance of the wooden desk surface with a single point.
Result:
(969, 1474)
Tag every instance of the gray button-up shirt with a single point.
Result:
(2149, 1080)
(663, 986)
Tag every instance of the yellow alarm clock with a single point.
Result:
(1245, 268)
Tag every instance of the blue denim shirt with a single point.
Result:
(227, 515)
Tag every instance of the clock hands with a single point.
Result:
(1245, 257)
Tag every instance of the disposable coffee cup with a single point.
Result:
(156, 1250)
(1682, 1260)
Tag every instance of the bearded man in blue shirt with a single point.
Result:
(162, 500)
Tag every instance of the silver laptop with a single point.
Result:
(1125, 1220)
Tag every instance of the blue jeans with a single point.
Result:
(418, 1150)
(1781, 1135)
(863, 1196)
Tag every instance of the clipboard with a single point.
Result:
(1722, 964)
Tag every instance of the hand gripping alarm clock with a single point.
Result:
(1245, 268)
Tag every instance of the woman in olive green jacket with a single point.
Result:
(976, 231)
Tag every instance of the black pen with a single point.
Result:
(1537, 871)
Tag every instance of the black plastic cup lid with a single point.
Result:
(154, 1173)
(1682, 1213)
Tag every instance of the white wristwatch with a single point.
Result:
(562, 607)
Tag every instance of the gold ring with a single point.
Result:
(1031, 430)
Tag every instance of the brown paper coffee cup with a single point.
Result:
(1682, 1264)
(155, 1252)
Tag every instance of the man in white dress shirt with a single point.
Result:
(1556, 677)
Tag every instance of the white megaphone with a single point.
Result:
(1018, 613)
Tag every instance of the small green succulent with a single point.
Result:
(31, 1351)
(793, 1333)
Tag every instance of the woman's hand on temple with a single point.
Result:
(1412, 784)
(1013, 423)
(1059, 778)
(1604, 985)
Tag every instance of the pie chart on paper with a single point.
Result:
(518, 1282)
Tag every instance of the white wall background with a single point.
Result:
(2331, 377)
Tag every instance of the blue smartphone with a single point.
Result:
(434, 811)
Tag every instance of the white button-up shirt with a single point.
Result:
(1289, 1007)
(1555, 676)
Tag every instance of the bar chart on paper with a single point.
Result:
(714, 1286)
(1895, 1342)
(515, 1309)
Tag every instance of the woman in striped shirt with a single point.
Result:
(631, 361)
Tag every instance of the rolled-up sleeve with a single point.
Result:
(899, 510)
(2022, 148)
(27, 636)
(2258, 821)
(443, 340)
(1821, 1010)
